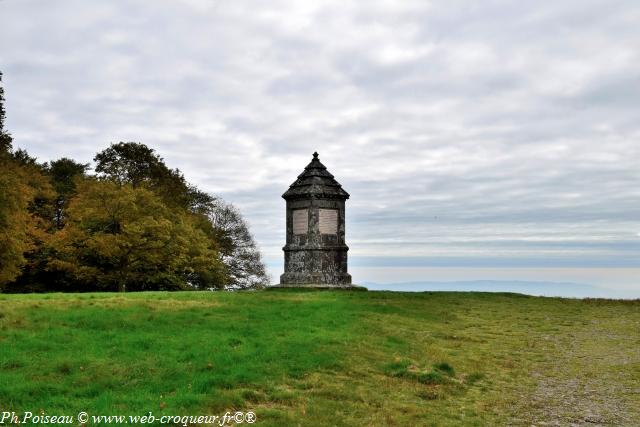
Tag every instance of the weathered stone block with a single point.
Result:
(315, 253)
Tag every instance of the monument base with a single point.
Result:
(318, 286)
(304, 278)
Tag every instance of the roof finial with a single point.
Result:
(315, 155)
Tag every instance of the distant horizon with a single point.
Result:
(595, 282)
(531, 288)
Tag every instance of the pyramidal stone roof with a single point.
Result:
(315, 181)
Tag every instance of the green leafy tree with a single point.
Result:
(51, 213)
(22, 189)
(136, 164)
(15, 221)
(63, 174)
(22, 230)
(240, 253)
(121, 237)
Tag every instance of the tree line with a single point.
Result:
(134, 224)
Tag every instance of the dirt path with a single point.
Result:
(589, 375)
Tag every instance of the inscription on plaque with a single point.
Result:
(300, 221)
(328, 221)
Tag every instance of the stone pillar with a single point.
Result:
(315, 254)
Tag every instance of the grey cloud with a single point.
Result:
(489, 129)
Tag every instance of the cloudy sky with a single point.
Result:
(469, 134)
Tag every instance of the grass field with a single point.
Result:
(325, 358)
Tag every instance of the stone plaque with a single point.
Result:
(328, 221)
(300, 221)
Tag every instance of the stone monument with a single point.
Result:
(315, 254)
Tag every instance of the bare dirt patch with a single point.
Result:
(588, 376)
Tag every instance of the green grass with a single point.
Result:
(324, 358)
